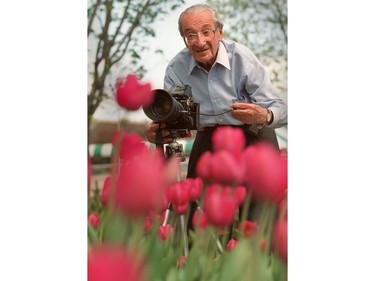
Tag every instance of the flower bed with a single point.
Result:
(138, 223)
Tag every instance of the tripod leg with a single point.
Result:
(167, 212)
(184, 235)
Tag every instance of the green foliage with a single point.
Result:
(259, 24)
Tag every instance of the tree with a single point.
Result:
(118, 30)
(262, 25)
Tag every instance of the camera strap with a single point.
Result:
(159, 138)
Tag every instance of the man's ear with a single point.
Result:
(220, 31)
(185, 42)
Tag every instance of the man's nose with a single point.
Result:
(201, 40)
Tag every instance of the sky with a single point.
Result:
(169, 40)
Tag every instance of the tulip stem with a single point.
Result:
(218, 243)
(246, 207)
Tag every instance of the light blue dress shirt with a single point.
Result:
(236, 76)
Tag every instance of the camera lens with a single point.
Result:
(175, 108)
(162, 106)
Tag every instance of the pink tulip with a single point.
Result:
(94, 220)
(115, 264)
(266, 172)
(228, 138)
(263, 244)
(128, 145)
(151, 219)
(203, 168)
(195, 186)
(225, 168)
(178, 193)
(232, 244)
(221, 167)
(219, 206)
(200, 220)
(181, 261)
(280, 238)
(247, 228)
(105, 191)
(181, 208)
(165, 232)
(141, 183)
(131, 94)
(240, 193)
(212, 189)
(147, 225)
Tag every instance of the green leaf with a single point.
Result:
(93, 236)
(115, 230)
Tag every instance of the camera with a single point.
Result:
(175, 108)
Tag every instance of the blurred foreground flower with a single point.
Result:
(229, 139)
(128, 146)
(110, 263)
(280, 238)
(141, 183)
(131, 94)
(141, 178)
(266, 172)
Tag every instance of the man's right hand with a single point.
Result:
(152, 128)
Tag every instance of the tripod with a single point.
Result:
(175, 149)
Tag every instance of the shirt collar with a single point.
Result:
(222, 58)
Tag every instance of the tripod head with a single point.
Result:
(173, 148)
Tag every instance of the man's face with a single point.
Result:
(203, 49)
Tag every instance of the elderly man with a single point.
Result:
(226, 79)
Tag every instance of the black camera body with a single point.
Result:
(175, 108)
